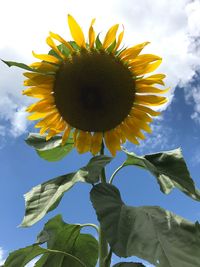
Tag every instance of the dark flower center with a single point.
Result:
(94, 91)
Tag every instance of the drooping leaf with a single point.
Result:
(46, 196)
(152, 233)
(67, 238)
(169, 168)
(50, 150)
(66, 247)
(23, 256)
(128, 264)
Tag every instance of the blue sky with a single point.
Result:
(174, 31)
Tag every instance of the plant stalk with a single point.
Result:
(103, 245)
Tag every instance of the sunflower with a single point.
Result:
(95, 89)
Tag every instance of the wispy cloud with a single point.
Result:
(2, 256)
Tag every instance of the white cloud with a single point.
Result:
(2, 256)
(171, 26)
(192, 97)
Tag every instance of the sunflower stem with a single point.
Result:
(114, 173)
(103, 245)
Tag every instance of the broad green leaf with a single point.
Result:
(19, 258)
(50, 150)
(46, 196)
(169, 168)
(66, 247)
(67, 238)
(152, 233)
(128, 264)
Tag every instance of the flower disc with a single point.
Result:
(94, 91)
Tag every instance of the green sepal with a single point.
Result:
(46, 196)
(98, 43)
(51, 150)
(169, 168)
(111, 47)
(63, 49)
(19, 65)
(151, 233)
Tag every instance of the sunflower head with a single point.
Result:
(95, 89)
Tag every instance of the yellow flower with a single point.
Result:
(95, 89)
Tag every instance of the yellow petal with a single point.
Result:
(48, 58)
(129, 134)
(83, 142)
(121, 135)
(119, 40)
(40, 80)
(143, 59)
(44, 66)
(147, 110)
(51, 43)
(146, 68)
(36, 116)
(66, 134)
(140, 124)
(96, 143)
(61, 40)
(48, 120)
(150, 100)
(75, 134)
(153, 79)
(37, 92)
(112, 141)
(132, 52)
(60, 126)
(91, 34)
(150, 89)
(110, 36)
(133, 129)
(41, 106)
(140, 115)
(76, 31)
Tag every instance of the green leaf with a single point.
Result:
(50, 150)
(46, 196)
(152, 233)
(17, 64)
(22, 256)
(169, 168)
(66, 247)
(128, 264)
(67, 238)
